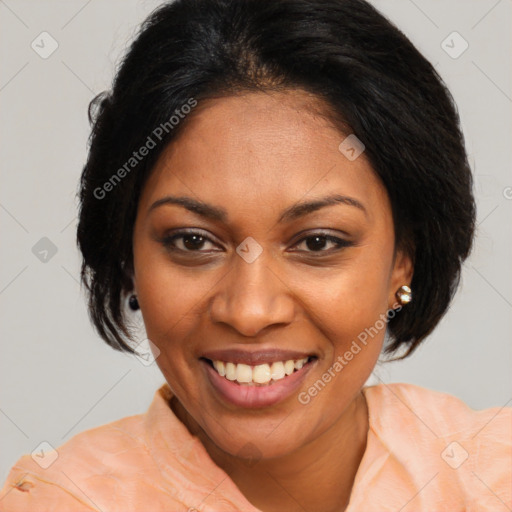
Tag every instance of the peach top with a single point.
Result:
(426, 451)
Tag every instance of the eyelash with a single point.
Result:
(168, 242)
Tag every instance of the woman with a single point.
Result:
(282, 189)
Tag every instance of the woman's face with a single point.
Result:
(260, 278)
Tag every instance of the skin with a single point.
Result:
(255, 155)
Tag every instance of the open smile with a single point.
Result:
(256, 385)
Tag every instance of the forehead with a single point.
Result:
(262, 150)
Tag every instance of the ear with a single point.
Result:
(401, 274)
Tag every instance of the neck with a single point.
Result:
(316, 477)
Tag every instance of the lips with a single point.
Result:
(254, 358)
(256, 379)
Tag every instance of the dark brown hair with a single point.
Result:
(343, 51)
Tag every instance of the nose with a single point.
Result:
(251, 298)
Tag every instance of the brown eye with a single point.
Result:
(318, 241)
(187, 241)
(193, 242)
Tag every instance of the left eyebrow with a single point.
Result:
(305, 207)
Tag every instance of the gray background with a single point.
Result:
(56, 377)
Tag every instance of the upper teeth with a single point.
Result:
(260, 374)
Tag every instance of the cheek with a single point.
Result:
(167, 293)
(350, 299)
(170, 303)
(349, 307)
(162, 299)
(350, 311)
